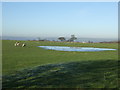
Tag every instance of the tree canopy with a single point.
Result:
(62, 38)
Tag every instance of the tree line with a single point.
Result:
(70, 40)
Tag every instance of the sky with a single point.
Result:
(55, 19)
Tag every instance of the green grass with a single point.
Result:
(50, 68)
(84, 74)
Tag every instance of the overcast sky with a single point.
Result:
(54, 19)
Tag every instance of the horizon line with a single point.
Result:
(59, 36)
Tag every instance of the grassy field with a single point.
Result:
(31, 66)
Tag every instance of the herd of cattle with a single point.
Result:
(19, 44)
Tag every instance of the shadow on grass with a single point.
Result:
(84, 74)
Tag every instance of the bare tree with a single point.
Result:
(72, 38)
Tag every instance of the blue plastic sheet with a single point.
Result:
(63, 48)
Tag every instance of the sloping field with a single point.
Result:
(85, 74)
(32, 66)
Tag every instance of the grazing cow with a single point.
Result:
(17, 44)
(23, 45)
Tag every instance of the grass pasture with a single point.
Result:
(34, 67)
